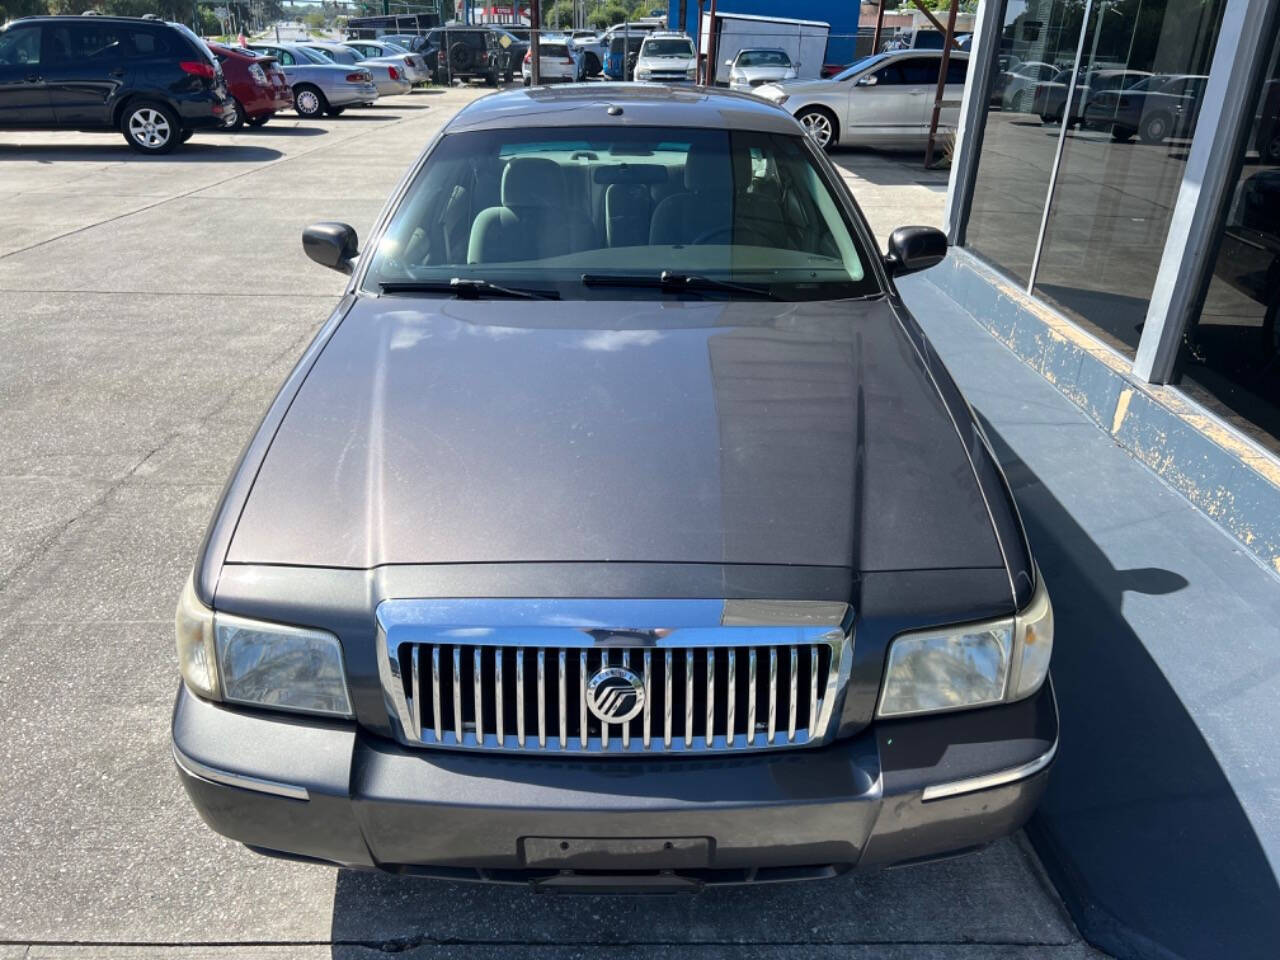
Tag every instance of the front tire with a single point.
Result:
(593, 64)
(308, 102)
(241, 117)
(819, 124)
(258, 121)
(1121, 134)
(1154, 128)
(150, 127)
(334, 111)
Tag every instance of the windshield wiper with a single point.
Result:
(675, 283)
(465, 288)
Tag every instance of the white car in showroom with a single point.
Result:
(881, 99)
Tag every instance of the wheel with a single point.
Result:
(820, 125)
(334, 111)
(241, 116)
(259, 120)
(1155, 127)
(186, 135)
(527, 81)
(593, 64)
(1122, 134)
(1047, 118)
(150, 127)
(491, 78)
(460, 57)
(308, 101)
(1020, 102)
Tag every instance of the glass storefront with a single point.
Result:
(1230, 355)
(1134, 103)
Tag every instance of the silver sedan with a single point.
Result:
(882, 99)
(390, 78)
(320, 86)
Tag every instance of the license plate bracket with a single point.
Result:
(617, 853)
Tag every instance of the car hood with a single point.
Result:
(792, 87)
(446, 431)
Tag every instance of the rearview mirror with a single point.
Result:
(915, 248)
(331, 244)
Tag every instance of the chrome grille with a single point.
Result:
(516, 686)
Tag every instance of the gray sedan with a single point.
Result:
(320, 86)
(374, 51)
(390, 78)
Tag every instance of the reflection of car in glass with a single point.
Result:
(885, 98)
(545, 565)
(666, 58)
(1014, 89)
(1250, 256)
(756, 65)
(1155, 108)
(1051, 95)
(1267, 140)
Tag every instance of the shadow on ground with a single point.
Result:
(1140, 829)
(194, 151)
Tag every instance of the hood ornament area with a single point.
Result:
(615, 694)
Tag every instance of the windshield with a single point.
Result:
(763, 58)
(621, 42)
(859, 65)
(667, 48)
(309, 55)
(564, 210)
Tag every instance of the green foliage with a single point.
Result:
(597, 20)
(558, 14)
(614, 13)
(314, 20)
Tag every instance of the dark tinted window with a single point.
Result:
(149, 43)
(918, 70)
(86, 41)
(889, 74)
(20, 45)
(553, 50)
(957, 70)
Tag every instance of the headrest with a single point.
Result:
(532, 182)
(706, 170)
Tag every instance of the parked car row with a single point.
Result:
(157, 82)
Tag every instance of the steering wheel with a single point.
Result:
(741, 228)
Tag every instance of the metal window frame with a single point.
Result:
(1241, 54)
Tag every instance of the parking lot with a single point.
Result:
(149, 308)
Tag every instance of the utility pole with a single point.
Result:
(535, 51)
(875, 39)
(712, 52)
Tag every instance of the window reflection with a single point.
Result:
(1231, 354)
(1037, 45)
(1137, 96)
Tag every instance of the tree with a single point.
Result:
(614, 13)
(559, 14)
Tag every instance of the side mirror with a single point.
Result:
(330, 244)
(869, 80)
(728, 63)
(915, 248)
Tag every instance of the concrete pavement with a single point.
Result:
(149, 308)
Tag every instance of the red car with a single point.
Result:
(255, 81)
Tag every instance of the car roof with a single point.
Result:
(81, 18)
(641, 105)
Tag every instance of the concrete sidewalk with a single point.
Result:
(1162, 819)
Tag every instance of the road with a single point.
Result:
(149, 307)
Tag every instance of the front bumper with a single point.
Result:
(900, 791)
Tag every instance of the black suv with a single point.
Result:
(153, 81)
(465, 53)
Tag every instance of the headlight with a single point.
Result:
(691, 73)
(951, 669)
(642, 74)
(224, 657)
